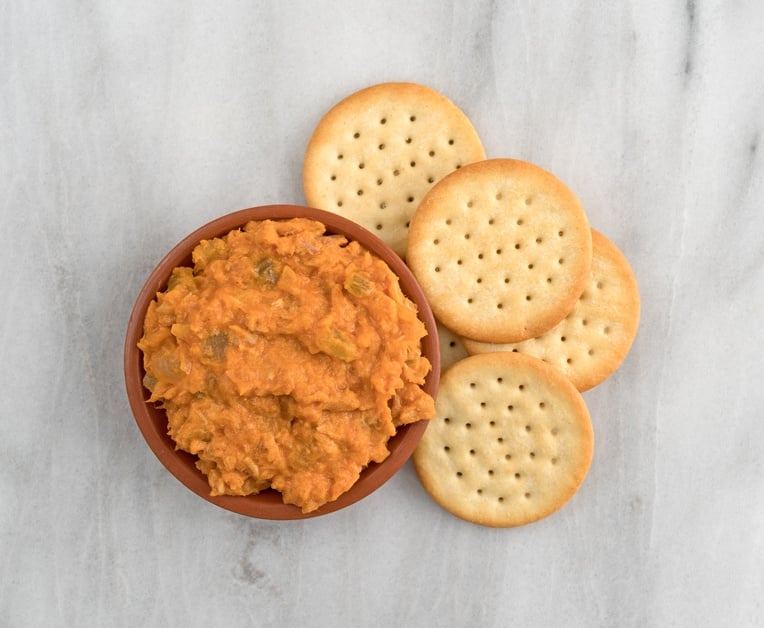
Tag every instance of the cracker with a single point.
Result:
(376, 153)
(502, 249)
(592, 341)
(511, 441)
(452, 348)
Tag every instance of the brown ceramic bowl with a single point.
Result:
(152, 421)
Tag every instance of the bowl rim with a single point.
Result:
(268, 504)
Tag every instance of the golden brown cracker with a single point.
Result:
(502, 249)
(592, 341)
(376, 153)
(511, 441)
(452, 348)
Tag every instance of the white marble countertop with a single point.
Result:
(126, 125)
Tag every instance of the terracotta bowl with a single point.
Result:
(152, 421)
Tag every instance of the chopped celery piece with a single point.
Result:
(358, 285)
(214, 346)
(337, 344)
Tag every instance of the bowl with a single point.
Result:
(152, 420)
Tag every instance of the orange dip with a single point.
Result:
(285, 358)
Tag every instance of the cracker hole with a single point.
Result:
(517, 246)
(459, 474)
(470, 203)
(553, 461)
(499, 306)
(530, 266)
(528, 200)
(457, 166)
(450, 142)
(410, 199)
(333, 177)
(584, 322)
(500, 439)
(470, 300)
(563, 338)
(568, 361)
(472, 384)
(490, 471)
(542, 405)
(591, 352)
(448, 221)
(527, 496)
(480, 256)
(498, 251)
(396, 172)
(561, 261)
(517, 476)
(379, 226)
(528, 428)
(482, 404)
(413, 164)
(492, 423)
(437, 269)
(408, 224)
(360, 192)
(408, 140)
(432, 153)
(528, 297)
(521, 387)
(340, 156)
(539, 240)
(561, 233)
(361, 166)
(383, 205)
(510, 407)
(430, 179)
(339, 203)
(499, 379)
(413, 118)
(549, 280)
(466, 236)
(479, 491)
(459, 262)
(501, 499)
(356, 135)
(379, 181)
(436, 241)
(606, 330)
(532, 455)
(446, 448)
(468, 425)
(472, 452)
(507, 456)
(383, 121)
(506, 279)
(447, 420)
(498, 196)
(381, 147)
(554, 431)
(599, 285)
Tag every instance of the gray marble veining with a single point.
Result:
(124, 126)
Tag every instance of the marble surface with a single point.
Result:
(125, 125)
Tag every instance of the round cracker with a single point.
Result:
(502, 249)
(452, 348)
(592, 341)
(376, 153)
(511, 441)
